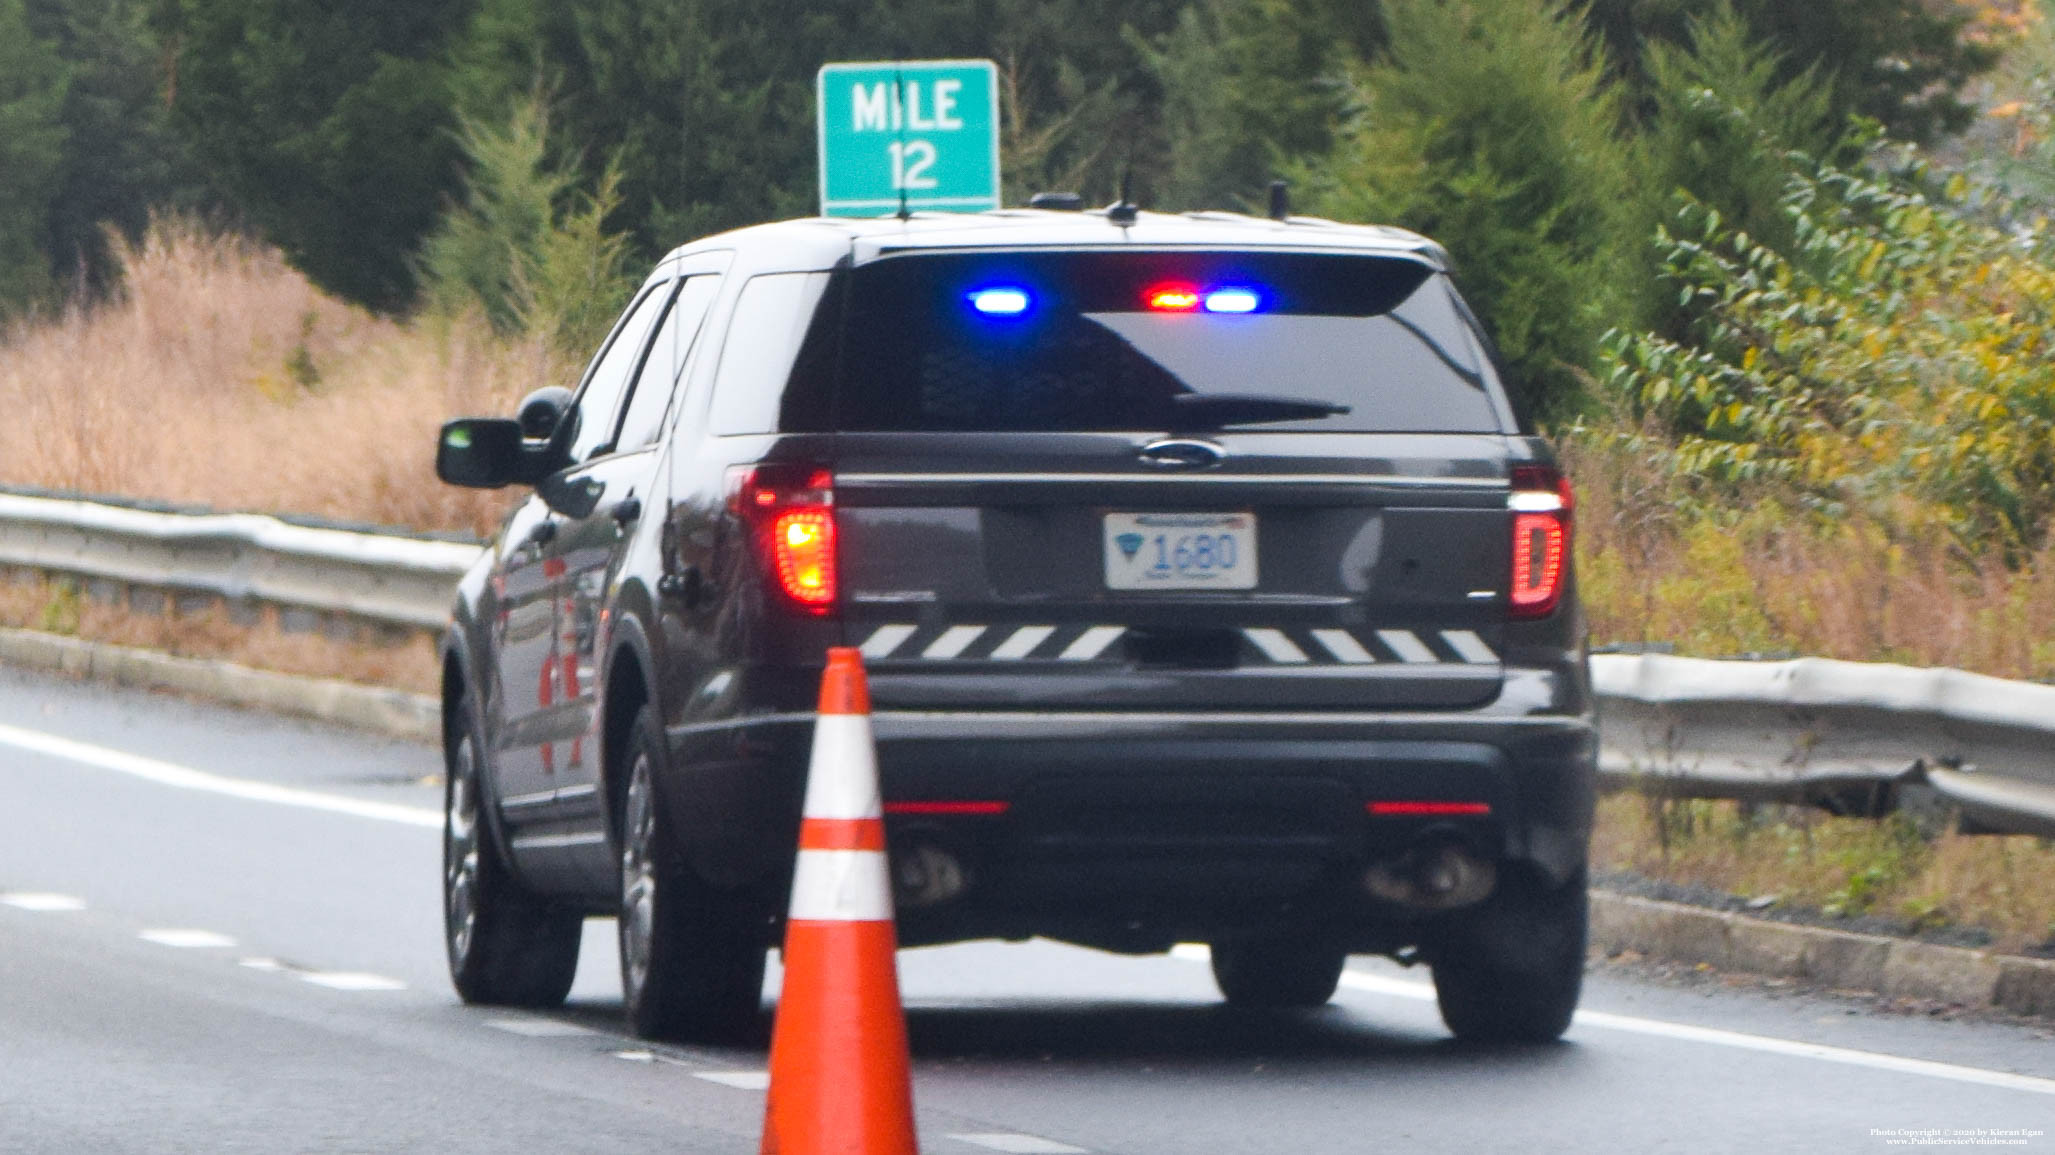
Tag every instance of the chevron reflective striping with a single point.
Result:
(1022, 643)
(1408, 646)
(1276, 646)
(885, 640)
(1344, 646)
(1091, 643)
(1470, 647)
(953, 641)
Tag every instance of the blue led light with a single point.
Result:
(1001, 301)
(1233, 301)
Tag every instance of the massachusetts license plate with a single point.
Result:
(1180, 551)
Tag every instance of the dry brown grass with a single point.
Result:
(220, 377)
(1841, 866)
(367, 657)
(1768, 577)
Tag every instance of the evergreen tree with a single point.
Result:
(33, 84)
(327, 123)
(1489, 126)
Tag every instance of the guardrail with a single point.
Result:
(1853, 737)
(386, 579)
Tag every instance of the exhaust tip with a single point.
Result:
(924, 874)
(1439, 875)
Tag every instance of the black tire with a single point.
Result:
(692, 957)
(1512, 972)
(506, 946)
(1277, 972)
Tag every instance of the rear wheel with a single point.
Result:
(1277, 972)
(1513, 971)
(692, 957)
(506, 946)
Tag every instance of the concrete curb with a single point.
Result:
(414, 717)
(1892, 967)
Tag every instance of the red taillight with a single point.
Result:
(790, 510)
(1429, 809)
(1542, 504)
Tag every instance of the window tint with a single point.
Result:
(771, 316)
(667, 354)
(600, 401)
(1129, 341)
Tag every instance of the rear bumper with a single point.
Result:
(1170, 823)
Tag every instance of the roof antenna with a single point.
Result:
(1124, 211)
(1280, 201)
(899, 125)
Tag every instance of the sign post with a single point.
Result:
(913, 135)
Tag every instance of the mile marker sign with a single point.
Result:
(918, 133)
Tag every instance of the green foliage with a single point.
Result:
(327, 126)
(1896, 359)
(525, 247)
(1250, 88)
(1489, 126)
(120, 159)
(1721, 123)
(1901, 63)
(33, 83)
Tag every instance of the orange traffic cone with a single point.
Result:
(840, 1076)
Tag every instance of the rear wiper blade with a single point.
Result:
(1216, 410)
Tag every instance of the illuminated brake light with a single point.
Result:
(1173, 298)
(790, 509)
(1233, 301)
(1428, 809)
(1541, 504)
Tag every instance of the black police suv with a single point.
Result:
(1209, 587)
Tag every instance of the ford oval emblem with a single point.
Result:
(1183, 453)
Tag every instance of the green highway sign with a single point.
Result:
(923, 134)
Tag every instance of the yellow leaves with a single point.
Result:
(2008, 110)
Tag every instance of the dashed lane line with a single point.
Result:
(352, 981)
(186, 939)
(1017, 1144)
(186, 778)
(42, 903)
(746, 1080)
(534, 1028)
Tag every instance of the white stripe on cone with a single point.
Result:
(841, 886)
(842, 775)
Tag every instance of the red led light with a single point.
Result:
(948, 808)
(1172, 298)
(1428, 809)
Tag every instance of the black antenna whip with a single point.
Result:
(899, 126)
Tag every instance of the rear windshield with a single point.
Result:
(1152, 341)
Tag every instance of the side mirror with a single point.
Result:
(542, 412)
(480, 452)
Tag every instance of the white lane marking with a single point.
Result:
(1276, 646)
(1408, 647)
(636, 1056)
(1022, 643)
(262, 964)
(1192, 952)
(746, 1080)
(1470, 647)
(186, 939)
(1091, 643)
(1016, 1144)
(1344, 646)
(884, 641)
(953, 641)
(42, 903)
(352, 981)
(1711, 1036)
(529, 1028)
(186, 778)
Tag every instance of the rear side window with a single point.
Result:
(772, 314)
(1158, 341)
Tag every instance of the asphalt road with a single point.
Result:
(219, 932)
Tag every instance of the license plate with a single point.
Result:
(1180, 551)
